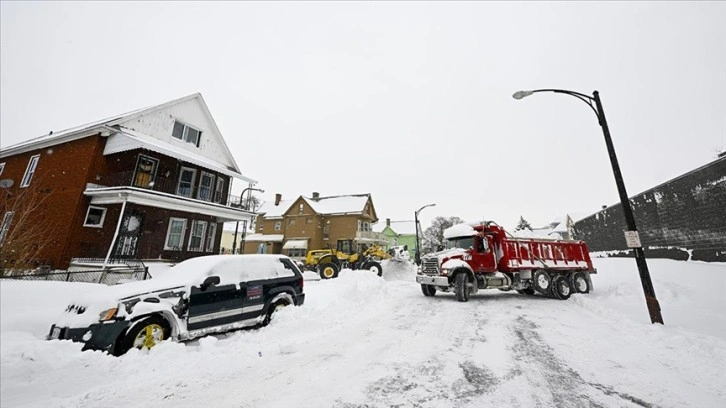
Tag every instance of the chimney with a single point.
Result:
(604, 207)
(388, 222)
(316, 195)
(278, 197)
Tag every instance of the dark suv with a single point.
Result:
(203, 295)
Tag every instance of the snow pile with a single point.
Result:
(360, 340)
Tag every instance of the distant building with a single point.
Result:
(400, 233)
(292, 227)
(149, 184)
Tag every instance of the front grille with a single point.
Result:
(430, 266)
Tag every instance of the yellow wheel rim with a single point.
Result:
(149, 336)
(328, 272)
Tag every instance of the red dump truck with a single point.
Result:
(485, 256)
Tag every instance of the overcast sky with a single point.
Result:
(408, 101)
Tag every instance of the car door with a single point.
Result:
(215, 306)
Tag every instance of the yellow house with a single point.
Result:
(293, 227)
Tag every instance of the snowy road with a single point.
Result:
(361, 341)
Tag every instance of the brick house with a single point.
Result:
(293, 227)
(149, 184)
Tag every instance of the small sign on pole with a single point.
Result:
(632, 239)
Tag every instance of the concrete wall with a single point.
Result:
(684, 218)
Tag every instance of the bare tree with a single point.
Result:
(433, 236)
(24, 235)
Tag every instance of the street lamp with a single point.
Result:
(632, 234)
(417, 256)
(236, 228)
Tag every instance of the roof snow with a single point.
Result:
(344, 204)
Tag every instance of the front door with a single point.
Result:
(484, 254)
(215, 306)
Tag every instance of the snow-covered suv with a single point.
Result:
(207, 294)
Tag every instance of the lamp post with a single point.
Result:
(236, 228)
(417, 255)
(632, 234)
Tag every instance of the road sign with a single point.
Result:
(632, 239)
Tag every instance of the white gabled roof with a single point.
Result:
(270, 210)
(127, 139)
(344, 204)
(105, 127)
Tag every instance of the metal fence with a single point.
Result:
(112, 276)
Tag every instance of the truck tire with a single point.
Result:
(428, 290)
(374, 267)
(461, 287)
(561, 288)
(542, 282)
(328, 270)
(580, 283)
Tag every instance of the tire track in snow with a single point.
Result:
(561, 383)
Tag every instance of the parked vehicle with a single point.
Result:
(207, 294)
(482, 256)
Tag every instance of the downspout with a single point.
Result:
(115, 235)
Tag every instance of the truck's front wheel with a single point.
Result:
(428, 290)
(461, 287)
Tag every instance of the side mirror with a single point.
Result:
(405, 247)
(210, 281)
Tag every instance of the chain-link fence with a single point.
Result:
(112, 276)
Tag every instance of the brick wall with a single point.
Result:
(684, 218)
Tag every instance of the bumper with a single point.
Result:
(433, 280)
(94, 337)
(299, 299)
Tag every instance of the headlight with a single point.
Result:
(445, 272)
(107, 314)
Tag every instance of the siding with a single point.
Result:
(686, 214)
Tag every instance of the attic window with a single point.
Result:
(186, 133)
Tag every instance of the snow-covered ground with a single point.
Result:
(362, 341)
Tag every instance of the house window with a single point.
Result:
(206, 184)
(278, 225)
(366, 226)
(196, 238)
(5, 226)
(95, 217)
(186, 133)
(211, 235)
(359, 226)
(219, 190)
(186, 182)
(290, 221)
(30, 170)
(326, 232)
(2, 167)
(301, 208)
(308, 220)
(296, 253)
(175, 234)
(145, 172)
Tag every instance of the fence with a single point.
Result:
(106, 277)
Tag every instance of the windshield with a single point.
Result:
(460, 242)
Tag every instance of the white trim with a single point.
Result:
(30, 171)
(5, 225)
(296, 244)
(211, 186)
(168, 232)
(191, 186)
(211, 239)
(156, 199)
(103, 217)
(202, 236)
(2, 167)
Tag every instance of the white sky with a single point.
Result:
(408, 101)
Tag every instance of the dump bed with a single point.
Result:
(530, 253)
